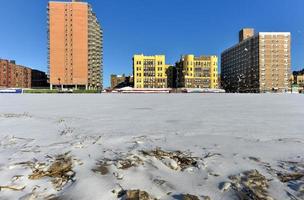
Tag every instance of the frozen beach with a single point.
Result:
(103, 147)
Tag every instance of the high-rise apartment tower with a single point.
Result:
(258, 63)
(75, 46)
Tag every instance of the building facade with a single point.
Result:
(13, 75)
(120, 81)
(219, 82)
(172, 77)
(150, 71)
(258, 63)
(75, 46)
(298, 80)
(39, 79)
(245, 34)
(197, 72)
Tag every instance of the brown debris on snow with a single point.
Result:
(135, 195)
(189, 197)
(292, 174)
(124, 162)
(251, 185)
(193, 197)
(61, 171)
(182, 160)
(290, 177)
(101, 168)
(131, 161)
(289, 172)
(292, 171)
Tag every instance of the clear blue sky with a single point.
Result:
(171, 27)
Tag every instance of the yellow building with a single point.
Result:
(150, 71)
(197, 72)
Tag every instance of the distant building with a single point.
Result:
(258, 63)
(219, 81)
(13, 75)
(150, 71)
(75, 46)
(172, 77)
(298, 80)
(39, 79)
(246, 33)
(120, 81)
(197, 72)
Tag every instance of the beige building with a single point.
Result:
(258, 63)
(245, 34)
(197, 72)
(74, 46)
(150, 71)
(298, 80)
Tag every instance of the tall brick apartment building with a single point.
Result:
(75, 45)
(14, 76)
(258, 63)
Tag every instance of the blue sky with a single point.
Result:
(171, 27)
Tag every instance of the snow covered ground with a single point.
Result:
(98, 147)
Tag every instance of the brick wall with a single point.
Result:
(14, 76)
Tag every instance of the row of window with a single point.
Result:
(200, 69)
(149, 74)
(149, 68)
(149, 62)
(208, 64)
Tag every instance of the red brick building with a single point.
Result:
(14, 76)
(74, 45)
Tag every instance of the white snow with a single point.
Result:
(226, 132)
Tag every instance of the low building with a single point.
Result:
(14, 76)
(150, 71)
(298, 80)
(39, 79)
(120, 81)
(197, 72)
